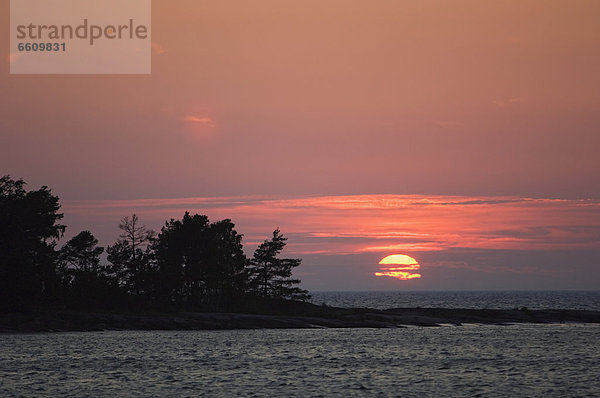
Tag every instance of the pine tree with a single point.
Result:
(200, 262)
(270, 276)
(29, 229)
(82, 253)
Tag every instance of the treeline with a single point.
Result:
(191, 263)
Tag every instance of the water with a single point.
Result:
(470, 360)
(517, 360)
(577, 300)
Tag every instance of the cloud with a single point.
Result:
(404, 247)
(399, 267)
(158, 49)
(517, 242)
(515, 262)
(402, 268)
(383, 224)
(201, 120)
(12, 57)
(401, 275)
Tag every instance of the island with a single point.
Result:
(283, 315)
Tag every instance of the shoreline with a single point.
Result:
(327, 317)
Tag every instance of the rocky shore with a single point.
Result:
(310, 316)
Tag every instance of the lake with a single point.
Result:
(469, 360)
(534, 300)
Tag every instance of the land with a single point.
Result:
(292, 315)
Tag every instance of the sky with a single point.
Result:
(462, 133)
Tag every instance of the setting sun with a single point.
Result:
(401, 265)
(399, 259)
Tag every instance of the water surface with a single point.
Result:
(574, 300)
(517, 360)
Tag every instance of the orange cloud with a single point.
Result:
(202, 120)
(383, 223)
(404, 276)
(158, 49)
(425, 246)
(12, 57)
(403, 268)
(399, 267)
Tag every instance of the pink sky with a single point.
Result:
(362, 229)
(376, 223)
(352, 125)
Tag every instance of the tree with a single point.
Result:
(85, 281)
(225, 276)
(200, 262)
(180, 254)
(130, 256)
(28, 230)
(137, 235)
(270, 277)
(82, 254)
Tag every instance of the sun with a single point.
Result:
(398, 259)
(399, 266)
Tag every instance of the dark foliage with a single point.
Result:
(81, 254)
(28, 231)
(85, 282)
(270, 276)
(131, 256)
(200, 263)
(192, 264)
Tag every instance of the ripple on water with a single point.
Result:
(576, 300)
(520, 360)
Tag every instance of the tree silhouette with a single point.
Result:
(130, 255)
(193, 263)
(225, 275)
(84, 279)
(82, 253)
(271, 276)
(199, 262)
(180, 252)
(28, 230)
(135, 234)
